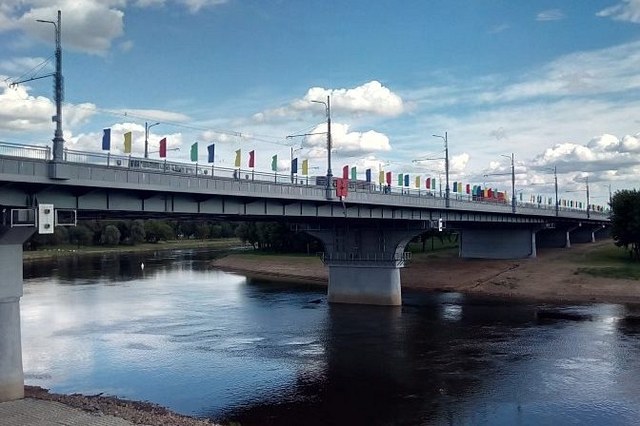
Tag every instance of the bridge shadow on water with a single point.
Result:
(415, 364)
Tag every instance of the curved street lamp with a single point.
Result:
(446, 167)
(147, 127)
(327, 106)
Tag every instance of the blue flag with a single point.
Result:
(212, 149)
(294, 165)
(106, 139)
(367, 174)
(406, 180)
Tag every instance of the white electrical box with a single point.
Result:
(46, 218)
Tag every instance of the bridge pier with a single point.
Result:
(583, 234)
(11, 373)
(364, 263)
(501, 243)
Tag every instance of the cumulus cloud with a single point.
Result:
(346, 141)
(627, 10)
(550, 15)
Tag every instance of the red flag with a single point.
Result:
(345, 172)
(252, 158)
(428, 183)
(163, 148)
(388, 178)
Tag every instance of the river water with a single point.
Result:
(212, 344)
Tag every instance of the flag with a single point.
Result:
(127, 143)
(194, 152)
(345, 172)
(455, 186)
(354, 173)
(428, 183)
(468, 189)
(305, 167)
(106, 139)
(417, 181)
(294, 166)
(237, 162)
(163, 148)
(388, 178)
(252, 158)
(274, 163)
(400, 179)
(367, 175)
(433, 183)
(406, 179)
(212, 150)
(381, 177)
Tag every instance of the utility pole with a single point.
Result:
(147, 127)
(446, 167)
(329, 188)
(58, 139)
(588, 206)
(555, 179)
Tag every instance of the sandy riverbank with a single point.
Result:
(552, 276)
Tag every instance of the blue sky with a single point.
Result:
(554, 82)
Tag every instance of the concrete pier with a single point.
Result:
(11, 373)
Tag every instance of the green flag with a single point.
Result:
(194, 152)
(354, 174)
(274, 163)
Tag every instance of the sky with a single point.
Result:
(556, 83)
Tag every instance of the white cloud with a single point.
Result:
(346, 141)
(193, 6)
(550, 15)
(16, 66)
(627, 10)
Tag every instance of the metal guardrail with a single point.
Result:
(365, 257)
(148, 165)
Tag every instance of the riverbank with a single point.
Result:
(70, 250)
(555, 275)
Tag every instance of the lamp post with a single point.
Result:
(555, 181)
(513, 182)
(327, 106)
(147, 127)
(58, 139)
(446, 167)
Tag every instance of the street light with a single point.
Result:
(446, 167)
(58, 139)
(147, 127)
(327, 106)
(513, 182)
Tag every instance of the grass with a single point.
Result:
(70, 250)
(609, 261)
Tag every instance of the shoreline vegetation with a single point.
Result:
(587, 273)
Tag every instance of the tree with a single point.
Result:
(137, 231)
(157, 230)
(625, 221)
(110, 235)
(80, 235)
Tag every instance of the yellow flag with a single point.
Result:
(238, 152)
(417, 181)
(381, 177)
(127, 143)
(305, 167)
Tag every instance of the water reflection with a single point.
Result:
(208, 343)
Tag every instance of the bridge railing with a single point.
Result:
(149, 165)
(27, 151)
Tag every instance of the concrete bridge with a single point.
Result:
(364, 234)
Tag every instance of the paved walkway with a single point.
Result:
(36, 412)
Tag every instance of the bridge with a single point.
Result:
(364, 234)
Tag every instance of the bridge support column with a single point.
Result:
(11, 373)
(506, 243)
(364, 263)
(583, 234)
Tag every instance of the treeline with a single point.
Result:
(269, 236)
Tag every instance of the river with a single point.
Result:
(211, 344)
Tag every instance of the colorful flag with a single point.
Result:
(106, 139)
(433, 183)
(252, 158)
(381, 177)
(345, 172)
(400, 179)
(354, 173)
(127, 143)
(237, 162)
(163, 148)
(194, 152)
(305, 167)
(274, 163)
(428, 183)
(388, 178)
(367, 175)
(406, 179)
(417, 181)
(455, 186)
(294, 166)
(468, 189)
(212, 150)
